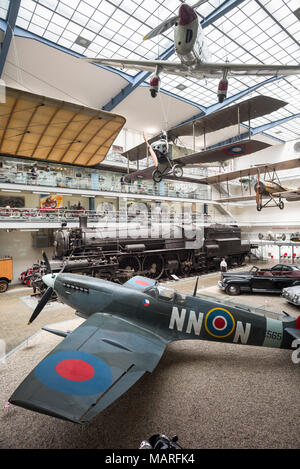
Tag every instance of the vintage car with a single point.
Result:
(271, 280)
(292, 294)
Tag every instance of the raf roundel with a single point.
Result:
(236, 150)
(75, 373)
(219, 323)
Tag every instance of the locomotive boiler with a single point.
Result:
(154, 251)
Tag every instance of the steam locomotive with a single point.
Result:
(190, 248)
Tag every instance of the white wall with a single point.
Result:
(18, 245)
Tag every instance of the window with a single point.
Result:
(165, 293)
(180, 298)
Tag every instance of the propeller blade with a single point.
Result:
(161, 28)
(49, 270)
(151, 151)
(258, 189)
(45, 298)
(197, 4)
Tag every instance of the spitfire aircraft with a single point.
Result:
(195, 58)
(160, 149)
(126, 331)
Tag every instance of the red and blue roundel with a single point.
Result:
(146, 303)
(76, 373)
(236, 150)
(219, 322)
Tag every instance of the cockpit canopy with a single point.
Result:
(165, 293)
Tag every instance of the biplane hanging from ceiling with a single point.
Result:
(160, 148)
(268, 184)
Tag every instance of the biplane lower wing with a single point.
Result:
(90, 369)
(289, 195)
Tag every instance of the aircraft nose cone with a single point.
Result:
(186, 15)
(49, 280)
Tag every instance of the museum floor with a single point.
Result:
(212, 395)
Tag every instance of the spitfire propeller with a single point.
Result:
(49, 280)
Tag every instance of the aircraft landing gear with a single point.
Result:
(153, 93)
(281, 205)
(177, 171)
(259, 207)
(157, 176)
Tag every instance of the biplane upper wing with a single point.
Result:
(200, 70)
(252, 171)
(90, 369)
(223, 153)
(244, 111)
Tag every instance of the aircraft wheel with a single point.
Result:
(281, 205)
(153, 93)
(233, 290)
(259, 207)
(156, 176)
(177, 171)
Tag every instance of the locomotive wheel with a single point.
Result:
(130, 265)
(153, 267)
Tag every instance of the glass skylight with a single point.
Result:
(256, 31)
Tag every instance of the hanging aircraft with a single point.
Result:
(192, 51)
(268, 186)
(126, 331)
(160, 149)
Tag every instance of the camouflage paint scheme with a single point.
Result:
(126, 331)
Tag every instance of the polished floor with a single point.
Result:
(212, 395)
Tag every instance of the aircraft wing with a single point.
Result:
(90, 369)
(252, 171)
(244, 147)
(200, 70)
(290, 195)
(244, 111)
(223, 153)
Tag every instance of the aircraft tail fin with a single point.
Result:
(294, 331)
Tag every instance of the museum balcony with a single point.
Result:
(16, 176)
(39, 219)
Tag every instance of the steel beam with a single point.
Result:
(12, 15)
(20, 32)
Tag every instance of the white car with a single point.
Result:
(292, 294)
